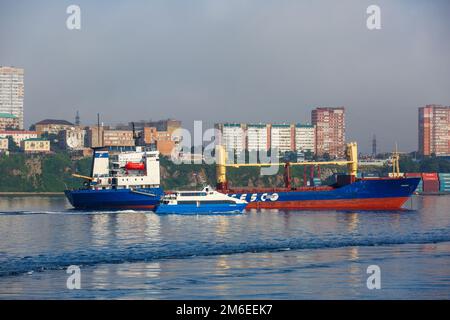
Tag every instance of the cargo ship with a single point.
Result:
(348, 193)
(124, 180)
(131, 180)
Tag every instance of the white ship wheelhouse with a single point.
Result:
(125, 169)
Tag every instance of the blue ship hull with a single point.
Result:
(368, 194)
(141, 198)
(192, 209)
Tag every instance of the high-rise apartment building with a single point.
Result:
(281, 138)
(232, 137)
(330, 131)
(434, 130)
(12, 92)
(258, 137)
(305, 138)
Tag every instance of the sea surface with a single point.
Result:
(257, 255)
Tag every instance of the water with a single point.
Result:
(260, 254)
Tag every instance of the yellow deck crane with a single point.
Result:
(221, 165)
(82, 177)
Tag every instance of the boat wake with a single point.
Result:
(144, 252)
(70, 212)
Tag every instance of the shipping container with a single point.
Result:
(413, 175)
(444, 186)
(444, 182)
(430, 185)
(430, 176)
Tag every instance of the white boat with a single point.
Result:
(207, 201)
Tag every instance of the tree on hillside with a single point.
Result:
(12, 145)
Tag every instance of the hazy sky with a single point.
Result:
(233, 60)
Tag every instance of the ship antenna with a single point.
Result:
(98, 130)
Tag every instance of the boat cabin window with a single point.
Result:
(192, 194)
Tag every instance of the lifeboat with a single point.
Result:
(135, 166)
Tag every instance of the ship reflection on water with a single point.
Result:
(261, 254)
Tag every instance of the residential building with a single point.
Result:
(3, 144)
(434, 130)
(12, 92)
(232, 137)
(258, 137)
(72, 139)
(305, 138)
(18, 136)
(118, 138)
(94, 136)
(282, 138)
(52, 126)
(164, 141)
(35, 145)
(9, 121)
(330, 131)
(105, 137)
(169, 125)
(150, 135)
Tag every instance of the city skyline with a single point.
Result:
(224, 62)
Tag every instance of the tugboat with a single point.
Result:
(125, 180)
(207, 201)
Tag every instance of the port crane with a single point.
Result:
(351, 162)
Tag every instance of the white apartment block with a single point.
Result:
(12, 92)
(281, 137)
(257, 137)
(305, 138)
(233, 137)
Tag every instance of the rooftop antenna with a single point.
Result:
(374, 146)
(77, 119)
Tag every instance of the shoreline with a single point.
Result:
(30, 193)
